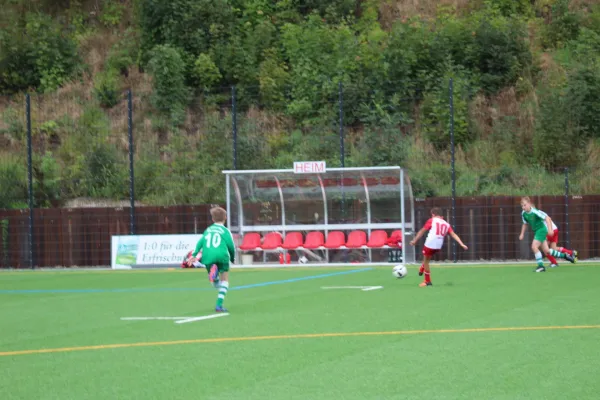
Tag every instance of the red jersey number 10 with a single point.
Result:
(441, 229)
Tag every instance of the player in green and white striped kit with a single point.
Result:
(541, 224)
(217, 251)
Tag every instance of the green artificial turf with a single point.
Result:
(287, 338)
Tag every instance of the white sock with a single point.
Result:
(223, 288)
(539, 257)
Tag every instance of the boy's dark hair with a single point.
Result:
(218, 214)
(436, 211)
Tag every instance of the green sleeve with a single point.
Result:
(230, 246)
(198, 246)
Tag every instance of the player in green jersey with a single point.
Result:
(217, 251)
(541, 224)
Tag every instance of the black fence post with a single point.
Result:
(453, 171)
(234, 125)
(29, 176)
(131, 174)
(342, 151)
(341, 112)
(567, 231)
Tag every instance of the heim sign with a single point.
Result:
(309, 167)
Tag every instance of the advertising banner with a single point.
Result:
(150, 251)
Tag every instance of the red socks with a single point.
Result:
(428, 277)
(552, 259)
(563, 250)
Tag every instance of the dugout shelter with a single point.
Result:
(321, 216)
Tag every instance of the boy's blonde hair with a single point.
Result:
(527, 199)
(218, 214)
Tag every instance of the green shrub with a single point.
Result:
(430, 179)
(333, 10)
(511, 8)
(273, 77)
(319, 143)
(105, 173)
(501, 52)
(319, 57)
(15, 123)
(206, 71)
(435, 111)
(564, 25)
(106, 88)
(46, 181)
(150, 171)
(583, 98)
(36, 55)
(112, 13)
(191, 26)
(89, 164)
(124, 53)
(413, 51)
(586, 48)
(93, 126)
(558, 136)
(13, 181)
(170, 94)
(386, 146)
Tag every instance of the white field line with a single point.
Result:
(194, 319)
(372, 288)
(150, 318)
(363, 288)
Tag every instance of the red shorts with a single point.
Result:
(553, 239)
(429, 252)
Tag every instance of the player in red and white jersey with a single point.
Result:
(438, 229)
(553, 244)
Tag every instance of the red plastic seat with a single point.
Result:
(271, 241)
(356, 239)
(314, 240)
(250, 241)
(335, 240)
(395, 239)
(378, 239)
(292, 241)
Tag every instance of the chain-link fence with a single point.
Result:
(146, 170)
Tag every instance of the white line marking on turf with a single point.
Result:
(372, 288)
(363, 288)
(193, 319)
(149, 318)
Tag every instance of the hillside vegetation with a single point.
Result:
(525, 74)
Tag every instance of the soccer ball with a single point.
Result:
(400, 271)
(303, 260)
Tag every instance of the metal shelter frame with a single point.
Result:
(243, 187)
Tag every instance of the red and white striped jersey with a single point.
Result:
(438, 229)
